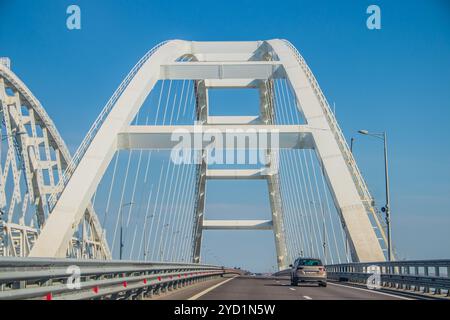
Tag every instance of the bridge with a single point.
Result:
(129, 208)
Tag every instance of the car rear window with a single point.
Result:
(310, 262)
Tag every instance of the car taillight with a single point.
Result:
(321, 269)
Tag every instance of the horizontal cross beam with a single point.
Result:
(234, 120)
(261, 70)
(232, 83)
(167, 137)
(237, 225)
(243, 174)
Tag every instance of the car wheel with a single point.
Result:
(322, 284)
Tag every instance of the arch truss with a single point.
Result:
(32, 159)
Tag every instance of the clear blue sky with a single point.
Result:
(395, 79)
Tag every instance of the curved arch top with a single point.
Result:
(37, 107)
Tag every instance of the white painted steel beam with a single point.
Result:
(234, 120)
(222, 70)
(224, 47)
(227, 50)
(167, 137)
(232, 83)
(201, 107)
(243, 174)
(237, 224)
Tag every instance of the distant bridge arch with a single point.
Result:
(34, 157)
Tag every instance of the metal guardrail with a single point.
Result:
(71, 279)
(420, 276)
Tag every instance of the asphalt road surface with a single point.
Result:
(252, 288)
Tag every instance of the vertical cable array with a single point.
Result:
(311, 220)
(147, 200)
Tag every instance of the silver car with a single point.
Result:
(308, 270)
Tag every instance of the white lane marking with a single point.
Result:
(372, 291)
(292, 289)
(307, 297)
(198, 295)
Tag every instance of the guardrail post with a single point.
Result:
(426, 289)
(140, 295)
(408, 272)
(399, 285)
(388, 272)
(363, 269)
(148, 292)
(393, 272)
(416, 272)
(387, 283)
(437, 274)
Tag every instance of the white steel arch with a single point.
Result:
(36, 155)
(218, 64)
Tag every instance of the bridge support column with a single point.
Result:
(267, 116)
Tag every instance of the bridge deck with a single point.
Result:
(260, 288)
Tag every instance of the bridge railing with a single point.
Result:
(71, 279)
(97, 124)
(421, 276)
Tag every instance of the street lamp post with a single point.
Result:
(324, 239)
(352, 141)
(386, 209)
(121, 245)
